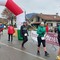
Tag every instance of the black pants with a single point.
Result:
(59, 41)
(10, 37)
(25, 39)
(41, 41)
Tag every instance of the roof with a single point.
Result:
(36, 23)
(49, 17)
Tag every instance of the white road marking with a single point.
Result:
(22, 51)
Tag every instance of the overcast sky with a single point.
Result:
(38, 6)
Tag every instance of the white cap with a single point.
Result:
(42, 23)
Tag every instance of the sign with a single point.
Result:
(50, 37)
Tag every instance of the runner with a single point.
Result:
(24, 34)
(41, 32)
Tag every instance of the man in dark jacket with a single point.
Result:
(24, 33)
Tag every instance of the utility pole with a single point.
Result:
(12, 20)
(25, 15)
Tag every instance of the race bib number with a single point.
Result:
(43, 38)
(25, 34)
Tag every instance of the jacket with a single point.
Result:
(23, 30)
(58, 29)
(11, 30)
(41, 31)
(47, 29)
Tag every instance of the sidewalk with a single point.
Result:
(12, 51)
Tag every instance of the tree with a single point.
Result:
(8, 15)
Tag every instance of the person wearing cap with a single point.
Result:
(24, 33)
(41, 32)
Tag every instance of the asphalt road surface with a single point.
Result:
(13, 51)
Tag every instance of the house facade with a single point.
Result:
(51, 20)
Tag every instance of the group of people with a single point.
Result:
(41, 34)
(41, 30)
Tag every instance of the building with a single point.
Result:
(51, 20)
(4, 21)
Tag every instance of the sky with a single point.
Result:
(38, 6)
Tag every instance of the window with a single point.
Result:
(38, 19)
(50, 24)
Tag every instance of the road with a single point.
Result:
(13, 51)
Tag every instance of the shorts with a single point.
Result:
(41, 41)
